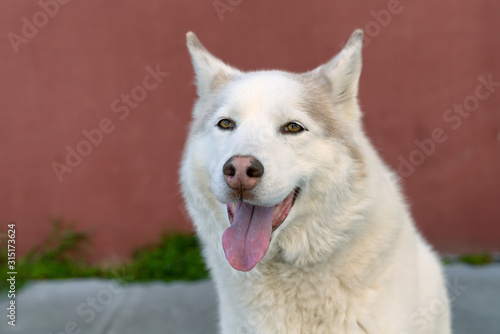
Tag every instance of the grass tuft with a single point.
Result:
(62, 255)
(476, 259)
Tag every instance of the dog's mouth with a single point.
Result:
(247, 240)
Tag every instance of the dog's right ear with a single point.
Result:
(211, 72)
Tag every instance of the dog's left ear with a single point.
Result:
(211, 72)
(344, 69)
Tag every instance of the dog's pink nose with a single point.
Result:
(242, 172)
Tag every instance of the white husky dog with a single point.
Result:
(303, 227)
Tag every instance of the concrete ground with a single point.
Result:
(82, 306)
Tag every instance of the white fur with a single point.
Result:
(348, 258)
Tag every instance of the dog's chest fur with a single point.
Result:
(288, 300)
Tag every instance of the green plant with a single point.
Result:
(476, 259)
(63, 255)
(60, 255)
(175, 257)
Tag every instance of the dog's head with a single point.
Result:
(277, 149)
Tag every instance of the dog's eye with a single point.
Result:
(292, 128)
(226, 124)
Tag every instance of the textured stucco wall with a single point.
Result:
(70, 67)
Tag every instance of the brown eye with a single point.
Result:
(292, 128)
(225, 124)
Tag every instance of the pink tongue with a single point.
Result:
(246, 241)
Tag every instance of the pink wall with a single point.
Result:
(68, 75)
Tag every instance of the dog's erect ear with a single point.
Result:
(344, 69)
(211, 72)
